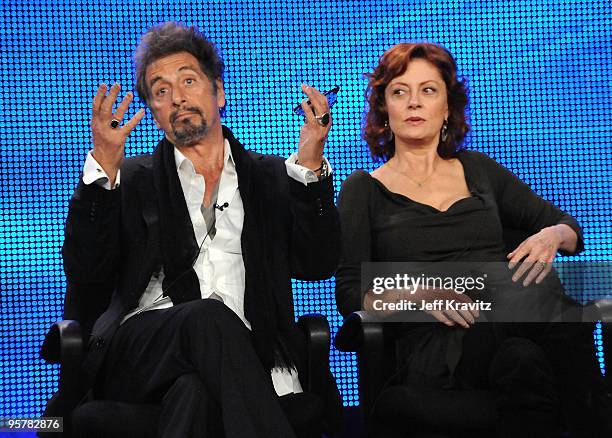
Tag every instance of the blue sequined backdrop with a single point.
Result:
(540, 76)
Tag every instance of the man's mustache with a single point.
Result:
(176, 113)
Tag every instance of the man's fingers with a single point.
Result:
(318, 103)
(98, 99)
(106, 109)
(307, 105)
(123, 106)
(318, 100)
(308, 114)
(129, 126)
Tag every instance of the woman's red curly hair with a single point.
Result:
(394, 63)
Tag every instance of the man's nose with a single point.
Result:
(178, 98)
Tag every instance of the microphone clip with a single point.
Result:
(222, 206)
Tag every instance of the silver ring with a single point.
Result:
(323, 119)
(114, 123)
(542, 264)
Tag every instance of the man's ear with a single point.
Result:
(220, 93)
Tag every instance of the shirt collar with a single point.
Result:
(182, 162)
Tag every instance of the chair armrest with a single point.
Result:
(316, 329)
(358, 329)
(63, 344)
(363, 333)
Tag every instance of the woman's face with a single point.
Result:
(417, 104)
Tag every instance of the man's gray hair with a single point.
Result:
(168, 39)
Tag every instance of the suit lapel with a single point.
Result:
(259, 302)
(256, 297)
(245, 169)
(151, 261)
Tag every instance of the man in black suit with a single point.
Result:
(191, 250)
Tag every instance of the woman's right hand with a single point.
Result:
(108, 141)
(439, 303)
(446, 313)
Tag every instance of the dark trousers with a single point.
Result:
(522, 379)
(542, 375)
(201, 339)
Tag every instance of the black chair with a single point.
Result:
(388, 409)
(63, 345)
(400, 410)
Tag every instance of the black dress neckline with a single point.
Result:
(459, 201)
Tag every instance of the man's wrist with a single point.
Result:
(110, 168)
(303, 174)
(310, 161)
(94, 172)
(322, 171)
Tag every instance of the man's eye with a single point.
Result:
(189, 81)
(161, 92)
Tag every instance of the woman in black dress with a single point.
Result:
(432, 201)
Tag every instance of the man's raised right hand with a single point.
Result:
(109, 142)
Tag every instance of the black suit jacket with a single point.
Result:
(112, 246)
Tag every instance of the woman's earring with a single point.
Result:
(444, 131)
(390, 134)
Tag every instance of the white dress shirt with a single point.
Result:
(219, 266)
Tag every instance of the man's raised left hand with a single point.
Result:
(315, 129)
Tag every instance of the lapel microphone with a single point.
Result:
(222, 206)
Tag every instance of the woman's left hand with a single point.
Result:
(537, 253)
